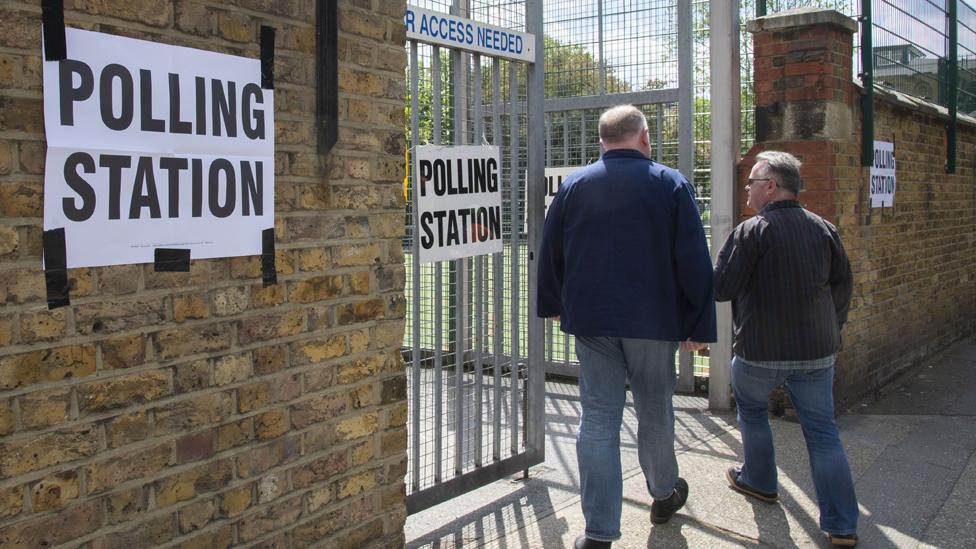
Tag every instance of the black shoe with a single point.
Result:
(661, 510)
(584, 542)
(842, 540)
(732, 474)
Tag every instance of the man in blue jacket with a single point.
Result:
(624, 266)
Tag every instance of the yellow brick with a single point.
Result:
(55, 491)
(122, 391)
(235, 501)
(357, 484)
(74, 361)
(11, 501)
(357, 427)
(232, 368)
(45, 408)
(187, 307)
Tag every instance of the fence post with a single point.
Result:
(952, 86)
(867, 79)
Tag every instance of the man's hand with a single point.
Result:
(554, 318)
(692, 346)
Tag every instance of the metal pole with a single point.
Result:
(415, 276)
(536, 190)
(952, 86)
(435, 74)
(497, 274)
(725, 96)
(867, 79)
(601, 61)
(760, 8)
(686, 93)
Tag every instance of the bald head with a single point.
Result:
(621, 124)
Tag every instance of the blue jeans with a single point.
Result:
(606, 364)
(811, 392)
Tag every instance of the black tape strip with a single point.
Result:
(55, 268)
(52, 17)
(267, 57)
(269, 273)
(172, 260)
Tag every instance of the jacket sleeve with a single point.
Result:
(550, 271)
(735, 263)
(693, 268)
(841, 279)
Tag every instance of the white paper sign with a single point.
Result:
(883, 175)
(155, 146)
(452, 31)
(459, 201)
(554, 178)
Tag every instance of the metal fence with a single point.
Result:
(466, 343)
(922, 48)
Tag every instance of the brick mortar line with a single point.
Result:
(95, 420)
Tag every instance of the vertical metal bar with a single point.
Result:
(497, 271)
(479, 281)
(867, 79)
(601, 51)
(952, 86)
(535, 436)
(583, 142)
(459, 289)
(548, 119)
(686, 93)
(438, 290)
(514, 242)
(724, 45)
(760, 8)
(415, 268)
(565, 138)
(660, 132)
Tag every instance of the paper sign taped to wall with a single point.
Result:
(156, 146)
(882, 182)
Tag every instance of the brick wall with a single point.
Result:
(202, 409)
(914, 264)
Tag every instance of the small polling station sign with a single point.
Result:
(554, 178)
(156, 146)
(459, 201)
(883, 175)
(444, 29)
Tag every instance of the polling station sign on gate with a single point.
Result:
(156, 146)
(459, 201)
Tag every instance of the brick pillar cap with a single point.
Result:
(801, 17)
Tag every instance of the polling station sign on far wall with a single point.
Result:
(156, 146)
(459, 201)
(882, 184)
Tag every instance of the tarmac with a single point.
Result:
(911, 452)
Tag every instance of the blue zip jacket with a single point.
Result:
(624, 254)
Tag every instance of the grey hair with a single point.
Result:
(620, 123)
(785, 167)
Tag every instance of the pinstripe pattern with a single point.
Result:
(789, 280)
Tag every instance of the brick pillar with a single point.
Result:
(804, 100)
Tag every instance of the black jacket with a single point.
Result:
(787, 274)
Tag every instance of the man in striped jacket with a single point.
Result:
(787, 274)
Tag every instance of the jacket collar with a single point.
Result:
(624, 153)
(780, 204)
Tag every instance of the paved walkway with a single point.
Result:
(912, 454)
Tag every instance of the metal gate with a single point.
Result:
(654, 74)
(473, 346)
